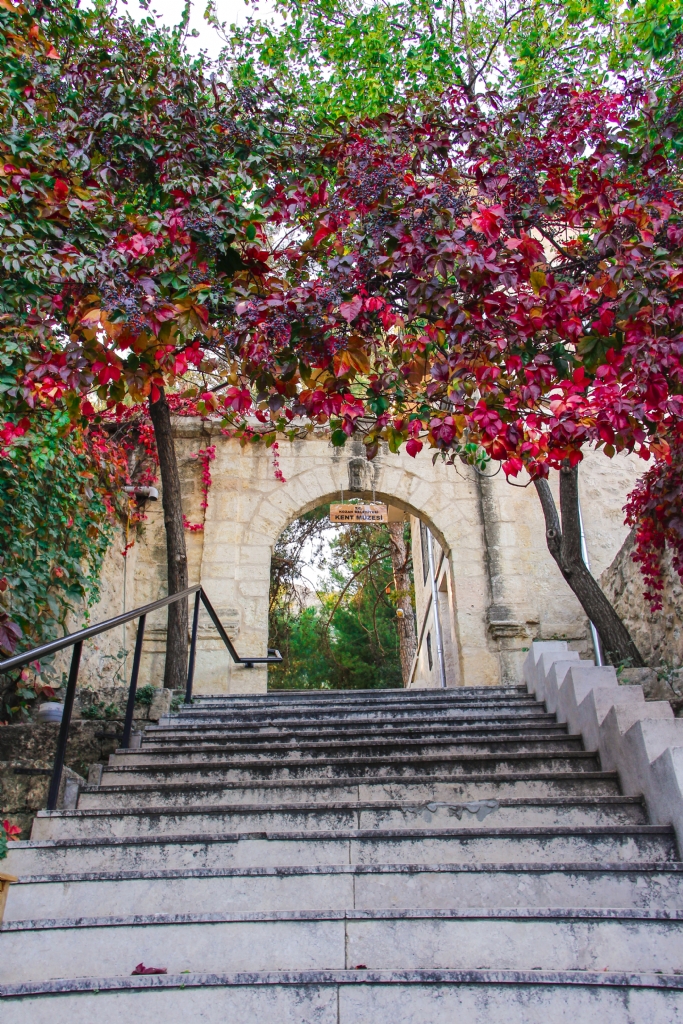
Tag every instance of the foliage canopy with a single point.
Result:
(346, 58)
(498, 280)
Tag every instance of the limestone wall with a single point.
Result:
(657, 635)
(525, 597)
(248, 509)
(426, 671)
(502, 589)
(141, 577)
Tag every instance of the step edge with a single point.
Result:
(554, 914)
(667, 868)
(345, 835)
(359, 805)
(589, 979)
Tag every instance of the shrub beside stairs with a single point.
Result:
(414, 857)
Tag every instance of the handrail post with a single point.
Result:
(130, 706)
(60, 753)
(193, 649)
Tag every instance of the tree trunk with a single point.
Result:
(175, 670)
(407, 635)
(564, 544)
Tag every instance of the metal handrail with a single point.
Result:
(75, 640)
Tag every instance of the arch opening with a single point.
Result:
(253, 508)
(341, 603)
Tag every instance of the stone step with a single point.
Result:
(463, 845)
(349, 699)
(365, 698)
(111, 814)
(380, 693)
(241, 768)
(355, 997)
(504, 939)
(390, 787)
(266, 733)
(454, 697)
(439, 886)
(453, 846)
(532, 711)
(349, 730)
(433, 702)
(271, 748)
(493, 708)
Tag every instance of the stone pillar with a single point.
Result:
(510, 627)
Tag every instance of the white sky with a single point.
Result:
(170, 11)
(314, 575)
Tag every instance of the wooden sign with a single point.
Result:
(374, 513)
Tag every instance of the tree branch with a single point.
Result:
(363, 569)
(553, 531)
(571, 553)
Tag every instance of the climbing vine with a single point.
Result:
(58, 493)
(654, 510)
(206, 457)
(277, 472)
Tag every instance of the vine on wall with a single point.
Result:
(61, 490)
(277, 472)
(653, 508)
(206, 457)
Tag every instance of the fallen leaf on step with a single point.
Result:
(141, 969)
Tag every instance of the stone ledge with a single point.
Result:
(597, 979)
(24, 784)
(639, 739)
(288, 871)
(305, 916)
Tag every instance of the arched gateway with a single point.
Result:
(499, 588)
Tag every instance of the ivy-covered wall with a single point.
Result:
(657, 635)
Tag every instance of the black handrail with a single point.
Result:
(75, 640)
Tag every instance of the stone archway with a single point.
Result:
(249, 508)
(504, 590)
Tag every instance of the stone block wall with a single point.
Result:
(657, 635)
(27, 750)
(502, 589)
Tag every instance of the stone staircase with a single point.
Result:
(424, 857)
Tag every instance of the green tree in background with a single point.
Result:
(347, 636)
(350, 57)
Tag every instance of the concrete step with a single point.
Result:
(296, 747)
(242, 768)
(439, 886)
(115, 819)
(492, 709)
(348, 700)
(479, 713)
(471, 714)
(505, 939)
(229, 732)
(392, 787)
(463, 845)
(355, 997)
